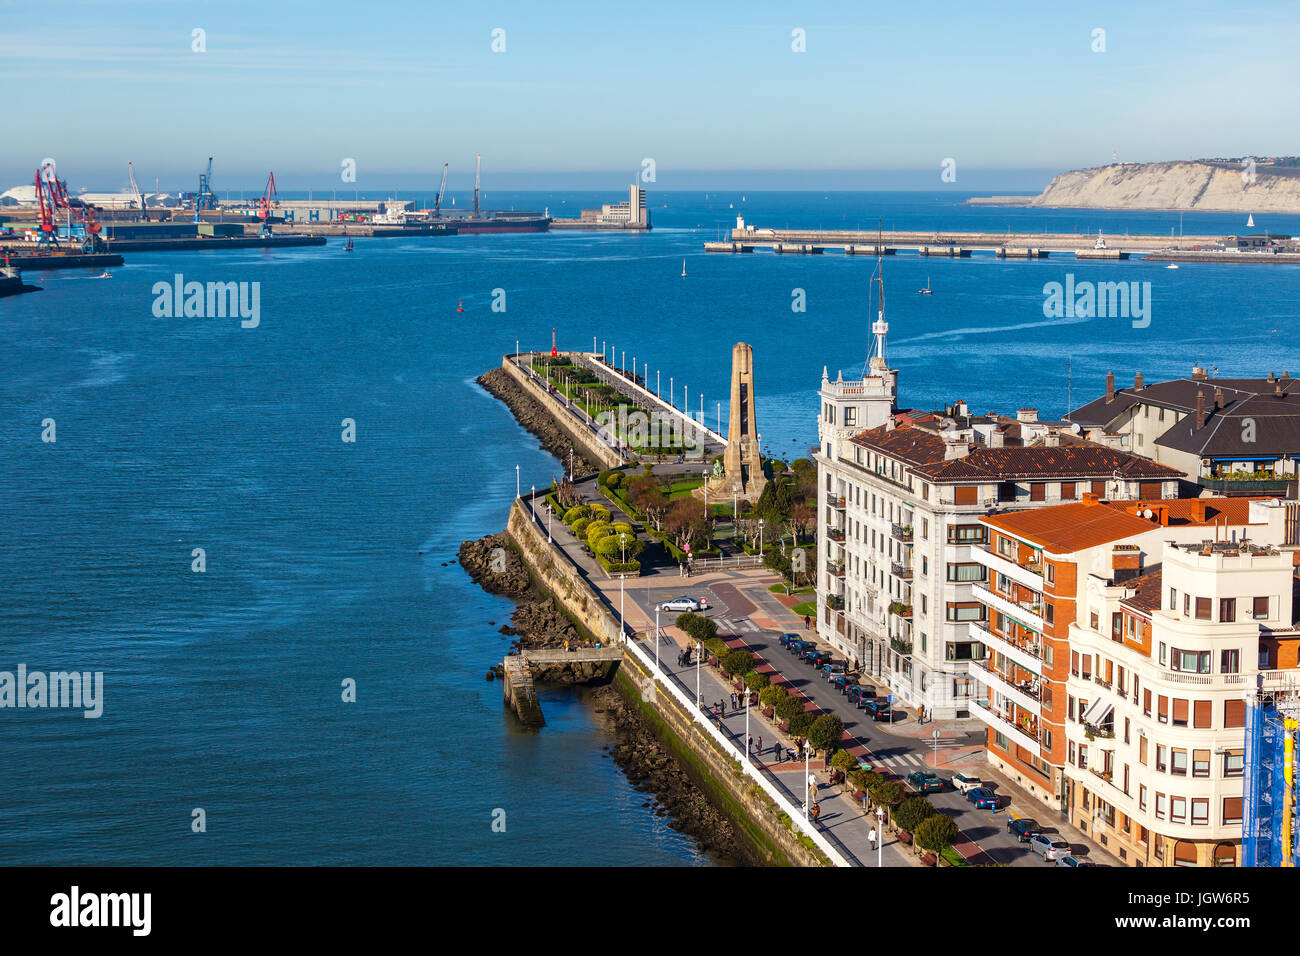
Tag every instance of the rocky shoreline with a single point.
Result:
(538, 623)
(536, 420)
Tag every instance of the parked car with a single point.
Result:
(983, 798)
(854, 693)
(1073, 861)
(840, 682)
(786, 639)
(798, 646)
(879, 710)
(1048, 846)
(684, 604)
(832, 669)
(925, 781)
(1023, 829)
(964, 783)
(817, 658)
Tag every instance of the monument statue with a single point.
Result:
(742, 463)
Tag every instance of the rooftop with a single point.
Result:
(1147, 591)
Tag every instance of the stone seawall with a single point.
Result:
(754, 814)
(583, 440)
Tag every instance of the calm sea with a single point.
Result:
(328, 561)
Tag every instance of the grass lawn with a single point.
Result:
(805, 609)
(780, 589)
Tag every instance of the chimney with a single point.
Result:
(1125, 563)
(1271, 378)
(1277, 391)
(997, 439)
(1201, 416)
(1218, 399)
(1090, 499)
(1031, 414)
(891, 423)
(1110, 387)
(1052, 440)
(1137, 382)
(1199, 374)
(955, 449)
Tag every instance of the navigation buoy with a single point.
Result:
(459, 306)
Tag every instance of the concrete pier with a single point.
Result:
(954, 252)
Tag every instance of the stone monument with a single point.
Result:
(742, 462)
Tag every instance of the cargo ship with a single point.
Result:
(501, 222)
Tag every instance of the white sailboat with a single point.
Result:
(683, 268)
(1250, 221)
(927, 290)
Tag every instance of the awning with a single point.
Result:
(1097, 711)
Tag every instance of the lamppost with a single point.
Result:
(748, 762)
(670, 392)
(517, 494)
(622, 365)
(806, 753)
(622, 629)
(880, 836)
(516, 351)
(719, 418)
(686, 400)
(657, 383)
(705, 473)
(699, 656)
(656, 674)
(760, 538)
(548, 522)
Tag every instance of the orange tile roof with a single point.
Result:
(1065, 528)
(1193, 511)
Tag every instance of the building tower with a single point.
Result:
(742, 460)
(851, 407)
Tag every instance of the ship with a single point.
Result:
(486, 220)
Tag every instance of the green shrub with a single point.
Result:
(872, 782)
(737, 662)
(891, 794)
(611, 478)
(597, 530)
(599, 512)
(573, 514)
(772, 695)
(622, 527)
(801, 723)
(911, 812)
(756, 681)
(701, 628)
(580, 526)
(936, 833)
(826, 732)
(717, 647)
(789, 707)
(843, 760)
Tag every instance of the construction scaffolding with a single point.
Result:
(1269, 785)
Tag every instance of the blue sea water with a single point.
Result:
(329, 560)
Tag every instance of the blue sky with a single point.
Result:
(584, 91)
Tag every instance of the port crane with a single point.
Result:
(206, 198)
(270, 199)
(52, 196)
(437, 203)
(135, 188)
(478, 162)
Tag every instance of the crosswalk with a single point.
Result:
(737, 626)
(909, 760)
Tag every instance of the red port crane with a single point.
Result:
(52, 196)
(270, 199)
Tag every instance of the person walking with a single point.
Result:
(816, 811)
(871, 838)
(749, 745)
(759, 751)
(807, 622)
(776, 751)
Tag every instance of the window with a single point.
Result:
(1232, 810)
(967, 572)
(925, 529)
(1116, 626)
(1083, 756)
(1180, 712)
(1071, 751)
(1038, 491)
(1142, 751)
(1178, 762)
(1202, 609)
(1049, 613)
(851, 415)
(1126, 791)
(1160, 806)
(1200, 763)
(1234, 713)
(966, 612)
(1142, 800)
(1187, 605)
(1259, 608)
(1161, 764)
(1200, 812)
(1227, 609)
(967, 534)
(1146, 703)
(1164, 654)
(1070, 708)
(1006, 548)
(1049, 655)
(1173, 599)
(1006, 491)
(1230, 662)
(1234, 762)
(1162, 711)
(1099, 489)
(1177, 809)
(1049, 571)
(1202, 711)
(965, 494)
(1093, 620)
(1067, 491)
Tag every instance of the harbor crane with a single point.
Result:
(52, 197)
(135, 188)
(437, 202)
(270, 199)
(205, 199)
(478, 163)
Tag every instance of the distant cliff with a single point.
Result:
(1200, 186)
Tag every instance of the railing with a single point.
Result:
(903, 647)
(1246, 484)
(1105, 733)
(902, 610)
(835, 602)
(835, 534)
(735, 561)
(1176, 677)
(1031, 689)
(835, 501)
(901, 532)
(903, 571)
(837, 570)
(1103, 683)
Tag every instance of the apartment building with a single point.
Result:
(900, 497)
(1124, 643)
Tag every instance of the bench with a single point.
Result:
(928, 858)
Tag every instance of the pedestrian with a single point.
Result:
(723, 707)
(759, 751)
(816, 811)
(749, 744)
(807, 622)
(871, 837)
(776, 751)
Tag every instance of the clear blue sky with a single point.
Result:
(707, 90)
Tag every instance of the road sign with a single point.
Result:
(935, 735)
(890, 698)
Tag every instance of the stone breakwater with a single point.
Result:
(536, 420)
(494, 564)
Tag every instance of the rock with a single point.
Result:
(533, 418)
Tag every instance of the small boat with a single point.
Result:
(927, 290)
(104, 275)
(1250, 221)
(683, 268)
(460, 307)
(348, 246)
(1172, 265)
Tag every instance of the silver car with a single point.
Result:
(684, 604)
(1048, 846)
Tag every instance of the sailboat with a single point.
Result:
(927, 290)
(348, 245)
(683, 268)
(1250, 221)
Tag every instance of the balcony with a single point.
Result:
(1019, 612)
(835, 602)
(1027, 657)
(900, 571)
(1025, 694)
(901, 609)
(835, 534)
(1248, 486)
(1105, 732)
(835, 570)
(901, 532)
(900, 645)
(1030, 575)
(836, 502)
(1007, 727)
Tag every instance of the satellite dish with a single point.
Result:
(1148, 513)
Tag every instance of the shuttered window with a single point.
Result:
(1231, 810)
(1202, 713)
(1038, 491)
(965, 494)
(1180, 712)
(1234, 713)
(1162, 712)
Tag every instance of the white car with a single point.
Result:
(962, 782)
(684, 604)
(1050, 847)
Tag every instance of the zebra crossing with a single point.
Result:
(737, 626)
(909, 760)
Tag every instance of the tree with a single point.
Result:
(654, 505)
(890, 793)
(566, 493)
(826, 732)
(737, 662)
(772, 695)
(687, 524)
(936, 833)
(801, 723)
(803, 518)
(789, 707)
(911, 812)
(757, 682)
(699, 627)
(749, 529)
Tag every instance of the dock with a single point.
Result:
(57, 260)
(579, 665)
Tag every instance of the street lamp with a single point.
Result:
(516, 351)
(670, 392)
(548, 522)
(622, 628)
(517, 494)
(880, 836)
(656, 676)
(748, 762)
(699, 656)
(657, 383)
(806, 752)
(760, 537)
